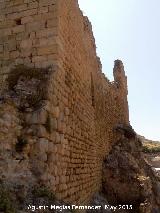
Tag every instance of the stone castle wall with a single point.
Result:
(28, 34)
(81, 106)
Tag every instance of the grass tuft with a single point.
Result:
(44, 192)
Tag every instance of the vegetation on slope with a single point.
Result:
(150, 146)
(6, 201)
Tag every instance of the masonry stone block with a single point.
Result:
(37, 117)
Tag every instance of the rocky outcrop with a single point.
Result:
(22, 115)
(154, 161)
(128, 179)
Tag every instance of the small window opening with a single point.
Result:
(18, 21)
(46, 24)
(30, 56)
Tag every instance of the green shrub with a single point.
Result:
(40, 91)
(29, 73)
(151, 149)
(44, 192)
(6, 202)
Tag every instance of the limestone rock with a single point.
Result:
(37, 117)
(127, 178)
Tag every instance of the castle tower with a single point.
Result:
(121, 81)
(119, 75)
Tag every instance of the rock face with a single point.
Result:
(128, 179)
(154, 161)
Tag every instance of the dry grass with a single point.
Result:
(21, 70)
(151, 147)
(40, 90)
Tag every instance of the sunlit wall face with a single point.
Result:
(130, 30)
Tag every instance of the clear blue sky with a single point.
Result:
(130, 30)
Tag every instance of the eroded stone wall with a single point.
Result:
(28, 34)
(71, 128)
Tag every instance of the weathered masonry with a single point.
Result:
(69, 136)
